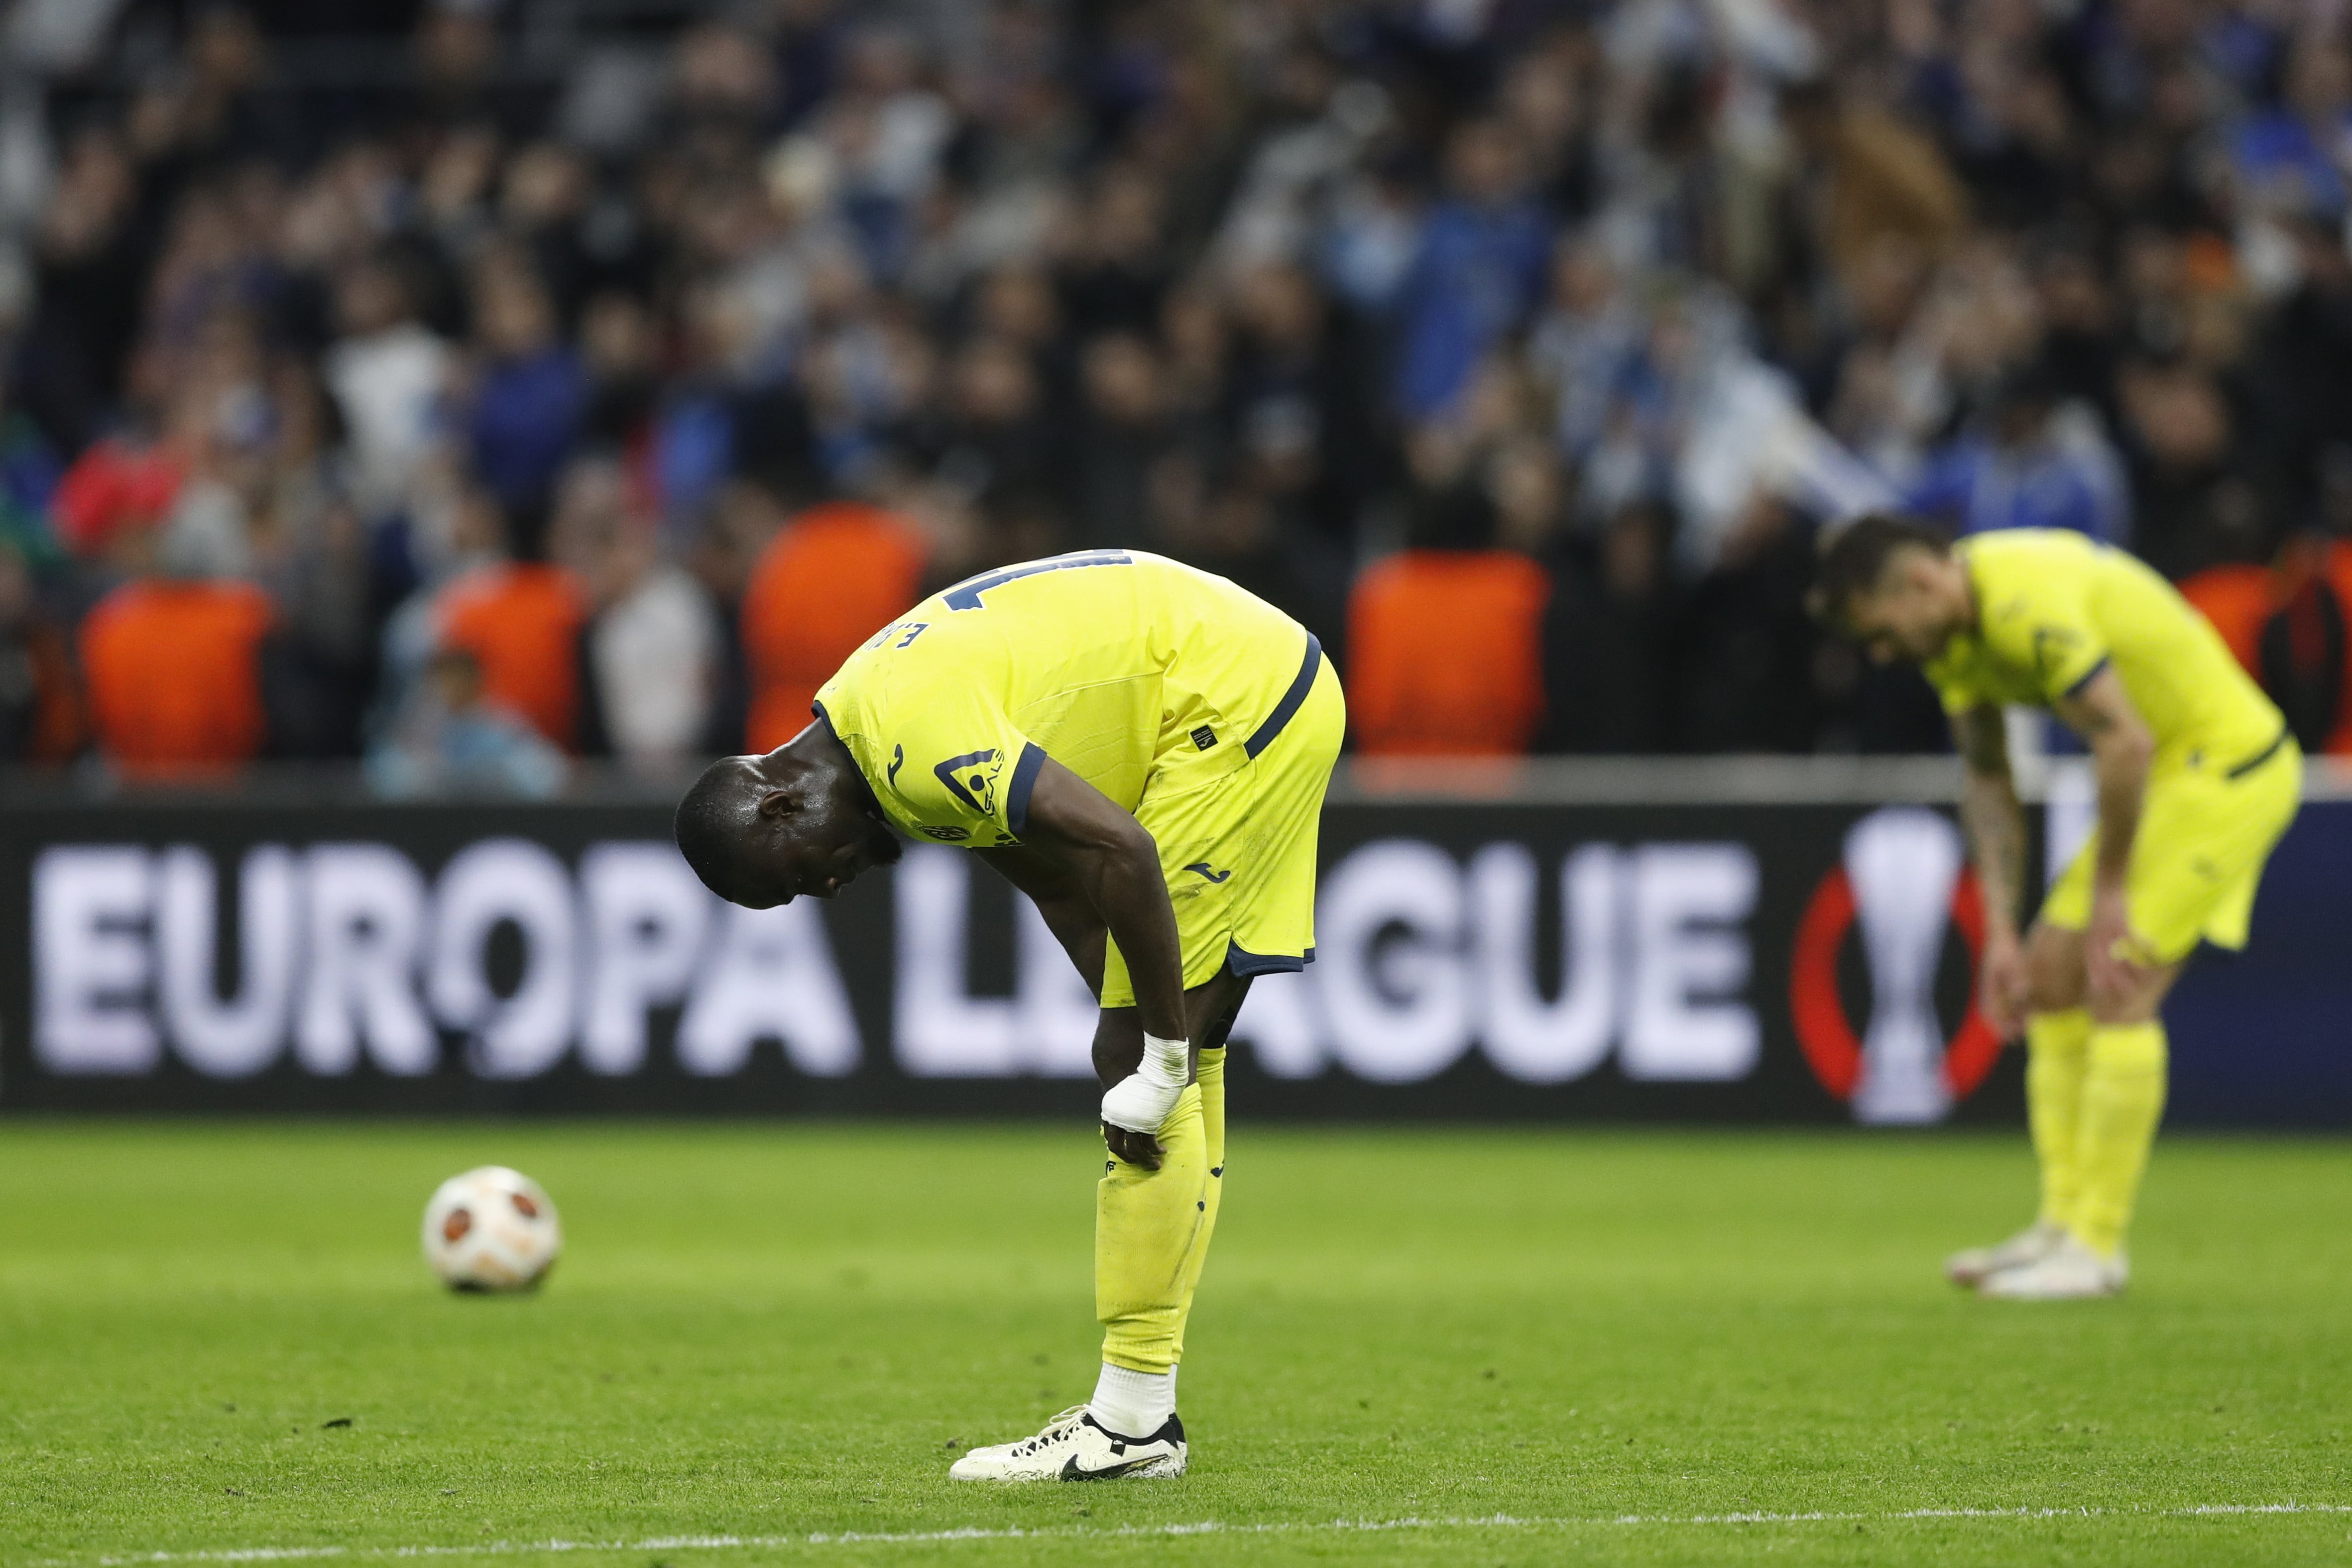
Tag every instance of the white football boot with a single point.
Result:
(2067, 1273)
(2030, 1244)
(1072, 1447)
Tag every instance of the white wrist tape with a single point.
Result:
(1141, 1100)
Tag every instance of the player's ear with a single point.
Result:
(778, 804)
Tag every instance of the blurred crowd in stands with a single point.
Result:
(475, 385)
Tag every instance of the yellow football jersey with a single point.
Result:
(2054, 608)
(1134, 671)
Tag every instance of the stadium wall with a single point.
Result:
(1736, 941)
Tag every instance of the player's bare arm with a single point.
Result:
(2101, 712)
(1080, 842)
(1995, 824)
(1054, 891)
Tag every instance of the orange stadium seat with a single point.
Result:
(830, 578)
(2238, 600)
(1445, 654)
(174, 677)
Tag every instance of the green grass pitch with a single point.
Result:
(1522, 1346)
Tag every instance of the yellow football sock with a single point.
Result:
(2123, 1101)
(1150, 1226)
(2057, 1053)
(1213, 1129)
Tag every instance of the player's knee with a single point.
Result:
(2054, 979)
(2134, 1001)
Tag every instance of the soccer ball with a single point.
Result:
(491, 1229)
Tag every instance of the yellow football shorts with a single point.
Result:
(2205, 831)
(1239, 854)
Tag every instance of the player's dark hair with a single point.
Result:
(1855, 558)
(711, 819)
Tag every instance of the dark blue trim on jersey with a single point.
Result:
(2259, 757)
(2088, 677)
(965, 595)
(1025, 780)
(1291, 699)
(1247, 966)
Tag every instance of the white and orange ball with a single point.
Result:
(491, 1229)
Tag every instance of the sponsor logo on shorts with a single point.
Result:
(947, 836)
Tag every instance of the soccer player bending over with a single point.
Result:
(1142, 748)
(2198, 777)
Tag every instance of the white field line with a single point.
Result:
(1203, 1527)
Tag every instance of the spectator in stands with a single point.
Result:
(1125, 436)
(451, 739)
(390, 374)
(651, 654)
(2195, 504)
(28, 478)
(1587, 347)
(532, 391)
(519, 616)
(125, 485)
(2035, 463)
(1444, 639)
(2290, 159)
(1609, 635)
(40, 709)
(830, 578)
(1880, 183)
(1304, 407)
(1480, 271)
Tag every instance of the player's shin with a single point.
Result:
(1150, 1226)
(2058, 1049)
(1212, 1126)
(2123, 1101)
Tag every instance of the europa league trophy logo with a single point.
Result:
(1902, 863)
(1900, 885)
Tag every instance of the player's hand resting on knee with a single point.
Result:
(1134, 1108)
(2002, 985)
(1135, 1148)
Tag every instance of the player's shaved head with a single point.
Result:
(1893, 584)
(714, 818)
(763, 831)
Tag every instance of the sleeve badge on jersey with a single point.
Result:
(2053, 644)
(971, 779)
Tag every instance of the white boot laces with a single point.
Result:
(1054, 1428)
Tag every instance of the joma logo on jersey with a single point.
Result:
(971, 779)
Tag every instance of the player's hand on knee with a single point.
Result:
(2113, 962)
(2002, 985)
(1135, 1148)
(1140, 1104)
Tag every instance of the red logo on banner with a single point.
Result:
(1833, 1049)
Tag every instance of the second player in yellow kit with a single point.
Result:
(2198, 781)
